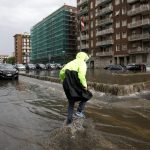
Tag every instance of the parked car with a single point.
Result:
(107, 67)
(40, 66)
(50, 66)
(30, 66)
(116, 67)
(20, 67)
(8, 71)
(58, 66)
(148, 68)
(136, 67)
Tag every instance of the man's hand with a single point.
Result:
(85, 88)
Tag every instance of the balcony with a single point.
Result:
(102, 2)
(104, 22)
(137, 37)
(84, 37)
(139, 23)
(104, 11)
(139, 50)
(84, 46)
(105, 42)
(132, 1)
(138, 10)
(109, 53)
(82, 2)
(106, 31)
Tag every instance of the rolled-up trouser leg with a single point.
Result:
(81, 106)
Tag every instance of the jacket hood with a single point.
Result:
(82, 56)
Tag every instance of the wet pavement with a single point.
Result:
(31, 109)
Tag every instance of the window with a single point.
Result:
(91, 33)
(134, 45)
(117, 2)
(133, 59)
(91, 24)
(124, 22)
(144, 58)
(124, 47)
(117, 24)
(91, 14)
(118, 47)
(91, 43)
(91, 5)
(117, 36)
(117, 12)
(133, 20)
(123, 11)
(124, 34)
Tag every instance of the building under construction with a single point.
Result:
(54, 39)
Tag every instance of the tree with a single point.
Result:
(10, 60)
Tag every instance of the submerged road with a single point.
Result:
(30, 109)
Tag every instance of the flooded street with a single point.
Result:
(102, 76)
(31, 109)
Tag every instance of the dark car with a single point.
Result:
(30, 66)
(107, 67)
(50, 66)
(8, 71)
(136, 67)
(116, 67)
(40, 66)
(59, 66)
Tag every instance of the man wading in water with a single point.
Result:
(75, 86)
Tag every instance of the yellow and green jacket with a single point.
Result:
(78, 65)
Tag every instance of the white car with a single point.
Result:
(148, 68)
(20, 67)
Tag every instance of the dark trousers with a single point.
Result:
(71, 108)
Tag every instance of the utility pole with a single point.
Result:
(49, 57)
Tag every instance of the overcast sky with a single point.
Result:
(18, 16)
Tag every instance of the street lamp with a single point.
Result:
(49, 57)
(63, 55)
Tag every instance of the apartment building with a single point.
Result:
(116, 31)
(54, 39)
(22, 48)
(3, 58)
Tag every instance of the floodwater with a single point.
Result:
(104, 76)
(31, 109)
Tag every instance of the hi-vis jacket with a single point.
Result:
(78, 65)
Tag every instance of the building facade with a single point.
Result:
(3, 58)
(54, 39)
(116, 31)
(22, 48)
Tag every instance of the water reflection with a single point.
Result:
(52, 73)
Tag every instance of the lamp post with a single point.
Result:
(63, 55)
(49, 57)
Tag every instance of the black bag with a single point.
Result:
(74, 89)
